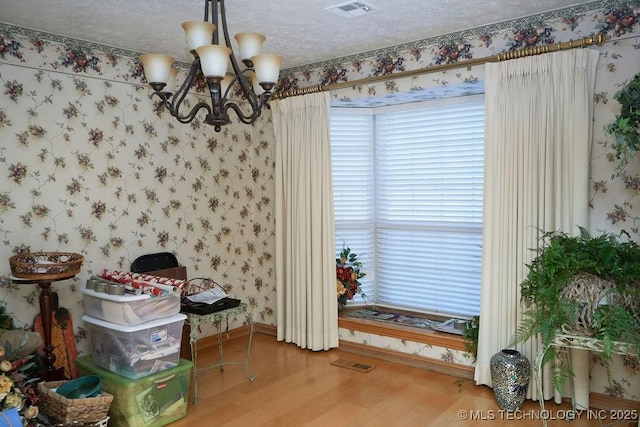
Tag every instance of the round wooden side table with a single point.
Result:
(46, 312)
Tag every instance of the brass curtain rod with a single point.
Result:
(599, 39)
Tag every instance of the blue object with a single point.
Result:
(80, 388)
(10, 418)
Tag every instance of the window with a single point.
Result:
(408, 186)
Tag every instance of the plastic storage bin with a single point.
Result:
(129, 309)
(153, 401)
(135, 351)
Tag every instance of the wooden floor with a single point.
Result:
(295, 387)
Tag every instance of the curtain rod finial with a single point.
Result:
(601, 38)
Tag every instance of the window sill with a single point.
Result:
(409, 333)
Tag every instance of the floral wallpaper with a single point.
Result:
(92, 164)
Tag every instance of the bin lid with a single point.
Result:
(85, 364)
(118, 298)
(163, 321)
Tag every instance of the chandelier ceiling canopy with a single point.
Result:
(255, 80)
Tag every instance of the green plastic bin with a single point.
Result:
(152, 401)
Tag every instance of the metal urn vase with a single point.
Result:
(510, 374)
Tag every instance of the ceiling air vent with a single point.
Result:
(352, 9)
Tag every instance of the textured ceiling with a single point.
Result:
(301, 30)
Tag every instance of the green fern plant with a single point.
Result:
(470, 335)
(561, 257)
(626, 127)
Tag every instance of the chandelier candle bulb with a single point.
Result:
(267, 67)
(198, 33)
(157, 68)
(249, 44)
(213, 60)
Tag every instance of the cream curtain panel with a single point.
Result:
(537, 152)
(307, 304)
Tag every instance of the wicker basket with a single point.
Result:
(90, 410)
(45, 265)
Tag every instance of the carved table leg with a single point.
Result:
(46, 312)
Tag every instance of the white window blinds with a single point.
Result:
(353, 188)
(425, 190)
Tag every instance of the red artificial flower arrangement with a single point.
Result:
(348, 271)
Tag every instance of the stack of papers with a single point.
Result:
(208, 297)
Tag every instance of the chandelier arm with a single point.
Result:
(175, 104)
(192, 114)
(206, 10)
(249, 94)
(164, 96)
(223, 19)
(244, 119)
(181, 93)
(259, 102)
(246, 91)
(214, 18)
(228, 91)
(174, 113)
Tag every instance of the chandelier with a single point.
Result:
(256, 79)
